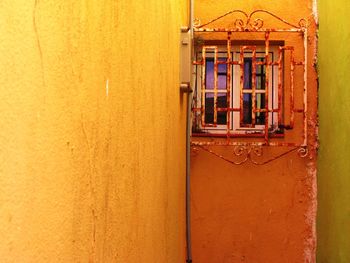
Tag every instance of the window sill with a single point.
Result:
(240, 135)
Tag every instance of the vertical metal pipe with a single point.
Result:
(188, 150)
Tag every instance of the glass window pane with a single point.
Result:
(260, 74)
(247, 108)
(222, 68)
(260, 104)
(209, 73)
(209, 108)
(222, 103)
(247, 73)
(222, 82)
(260, 82)
(260, 69)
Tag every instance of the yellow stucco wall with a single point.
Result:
(92, 155)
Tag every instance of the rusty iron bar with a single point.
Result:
(247, 91)
(203, 86)
(253, 85)
(241, 84)
(235, 62)
(228, 84)
(280, 56)
(291, 95)
(215, 85)
(233, 143)
(237, 135)
(239, 30)
(239, 109)
(305, 35)
(267, 72)
(264, 110)
(220, 109)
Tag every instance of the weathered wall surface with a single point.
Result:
(92, 131)
(249, 213)
(334, 167)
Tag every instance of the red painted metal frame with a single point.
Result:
(267, 47)
(228, 85)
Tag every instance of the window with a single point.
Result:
(240, 98)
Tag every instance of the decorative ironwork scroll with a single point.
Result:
(251, 22)
(253, 154)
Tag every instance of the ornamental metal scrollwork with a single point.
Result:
(249, 23)
(239, 24)
(303, 152)
(196, 22)
(243, 154)
(247, 153)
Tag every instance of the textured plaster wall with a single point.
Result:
(259, 214)
(334, 167)
(92, 131)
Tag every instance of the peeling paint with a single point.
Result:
(315, 11)
(310, 241)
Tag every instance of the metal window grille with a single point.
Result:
(245, 26)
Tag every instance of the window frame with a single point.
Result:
(235, 125)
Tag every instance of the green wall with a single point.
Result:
(334, 108)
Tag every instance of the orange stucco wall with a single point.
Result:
(258, 214)
(92, 156)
